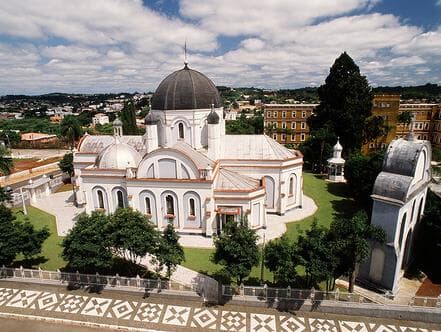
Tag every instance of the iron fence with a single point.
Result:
(267, 294)
(81, 279)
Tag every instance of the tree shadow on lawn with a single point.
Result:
(347, 205)
(30, 263)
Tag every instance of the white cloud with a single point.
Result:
(121, 45)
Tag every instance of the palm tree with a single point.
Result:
(6, 162)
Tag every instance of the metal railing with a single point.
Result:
(81, 279)
(267, 294)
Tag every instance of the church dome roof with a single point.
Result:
(213, 118)
(117, 122)
(118, 156)
(337, 147)
(185, 89)
(150, 119)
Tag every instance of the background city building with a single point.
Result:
(286, 123)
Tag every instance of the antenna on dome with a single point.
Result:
(185, 54)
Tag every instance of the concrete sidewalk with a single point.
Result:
(62, 207)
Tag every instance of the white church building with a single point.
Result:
(185, 169)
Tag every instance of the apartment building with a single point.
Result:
(423, 117)
(425, 124)
(386, 106)
(286, 123)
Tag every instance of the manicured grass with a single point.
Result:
(50, 257)
(199, 260)
(332, 200)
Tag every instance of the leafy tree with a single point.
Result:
(315, 251)
(9, 137)
(236, 250)
(282, 259)
(70, 129)
(317, 148)
(105, 129)
(6, 162)
(170, 252)
(345, 104)
(405, 117)
(66, 164)
(128, 118)
(18, 237)
(132, 235)
(361, 172)
(5, 196)
(429, 238)
(246, 126)
(351, 240)
(87, 246)
(375, 127)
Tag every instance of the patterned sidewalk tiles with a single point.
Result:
(186, 317)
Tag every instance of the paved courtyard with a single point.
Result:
(156, 313)
(62, 207)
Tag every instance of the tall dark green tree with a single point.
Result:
(317, 257)
(281, 258)
(345, 104)
(429, 237)
(18, 237)
(66, 164)
(351, 240)
(361, 172)
(128, 118)
(70, 129)
(170, 252)
(87, 246)
(132, 235)
(6, 162)
(236, 250)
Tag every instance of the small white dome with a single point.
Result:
(118, 156)
(338, 147)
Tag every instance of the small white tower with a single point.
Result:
(336, 164)
(214, 133)
(151, 132)
(117, 127)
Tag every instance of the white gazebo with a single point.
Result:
(336, 164)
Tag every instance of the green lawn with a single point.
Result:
(332, 199)
(50, 258)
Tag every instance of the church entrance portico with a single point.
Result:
(226, 214)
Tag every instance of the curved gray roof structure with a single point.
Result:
(402, 156)
(186, 89)
(397, 179)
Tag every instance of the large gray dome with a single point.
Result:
(185, 89)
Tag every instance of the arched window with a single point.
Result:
(291, 186)
(148, 207)
(181, 130)
(100, 199)
(191, 203)
(170, 204)
(120, 198)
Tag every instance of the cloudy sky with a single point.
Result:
(130, 45)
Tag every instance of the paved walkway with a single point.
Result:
(62, 207)
(276, 226)
(178, 314)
